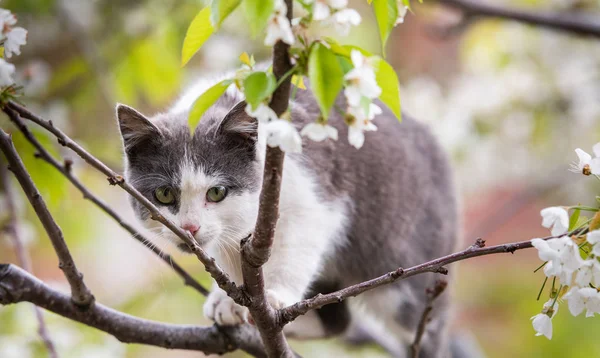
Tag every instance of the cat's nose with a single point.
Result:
(191, 228)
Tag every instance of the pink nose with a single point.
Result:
(191, 228)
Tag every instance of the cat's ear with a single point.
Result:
(134, 126)
(239, 124)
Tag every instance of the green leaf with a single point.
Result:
(386, 13)
(199, 31)
(206, 99)
(573, 219)
(220, 9)
(387, 80)
(326, 77)
(258, 13)
(258, 86)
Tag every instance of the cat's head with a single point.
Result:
(207, 183)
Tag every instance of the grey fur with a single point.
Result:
(398, 187)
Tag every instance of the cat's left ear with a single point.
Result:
(239, 124)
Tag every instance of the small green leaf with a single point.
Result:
(259, 86)
(199, 31)
(258, 13)
(206, 99)
(407, 3)
(387, 80)
(573, 219)
(326, 77)
(298, 81)
(220, 9)
(386, 12)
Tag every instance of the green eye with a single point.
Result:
(164, 195)
(216, 194)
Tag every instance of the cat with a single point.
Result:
(347, 215)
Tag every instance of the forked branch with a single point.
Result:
(80, 294)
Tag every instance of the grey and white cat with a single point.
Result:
(346, 215)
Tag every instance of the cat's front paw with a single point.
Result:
(221, 309)
(280, 299)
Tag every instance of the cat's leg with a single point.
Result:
(399, 309)
(221, 309)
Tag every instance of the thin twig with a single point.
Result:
(13, 228)
(65, 169)
(16, 285)
(80, 294)
(573, 22)
(220, 276)
(432, 294)
(257, 249)
(290, 313)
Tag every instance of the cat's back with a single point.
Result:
(398, 188)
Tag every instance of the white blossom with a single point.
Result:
(262, 113)
(360, 122)
(7, 19)
(562, 256)
(556, 218)
(593, 238)
(588, 272)
(587, 165)
(7, 70)
(335, 13)
(361, 81)
(342, 20)
(402, 10)
(279, 27)
(319, 132)
(583, 298)
(15, 38)
(542, 323)
(282, 133)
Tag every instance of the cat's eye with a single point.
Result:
(216, 194)
(164, 195)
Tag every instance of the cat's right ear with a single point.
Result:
(135, 127)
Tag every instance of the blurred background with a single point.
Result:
(510, 102)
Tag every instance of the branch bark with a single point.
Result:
(257, 249)
(16, 285)
(80, 294)
(114, 178)
(65, 169)
(290, 313)
(572, 22)
(432, 294)
(13, 227)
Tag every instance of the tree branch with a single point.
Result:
(432, 294)
(209, 263)
(13, 227)
(65, 169)
(257, 249)
(573, 22)
(290, 313)
(80, 294)
(16, 285)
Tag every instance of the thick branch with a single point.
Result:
(13, 227)
(432, 294)
(65, 169)
(16, 285)
(80, 294)
(576, 23)
(215, 271)
(290, 313)
(257, 249)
